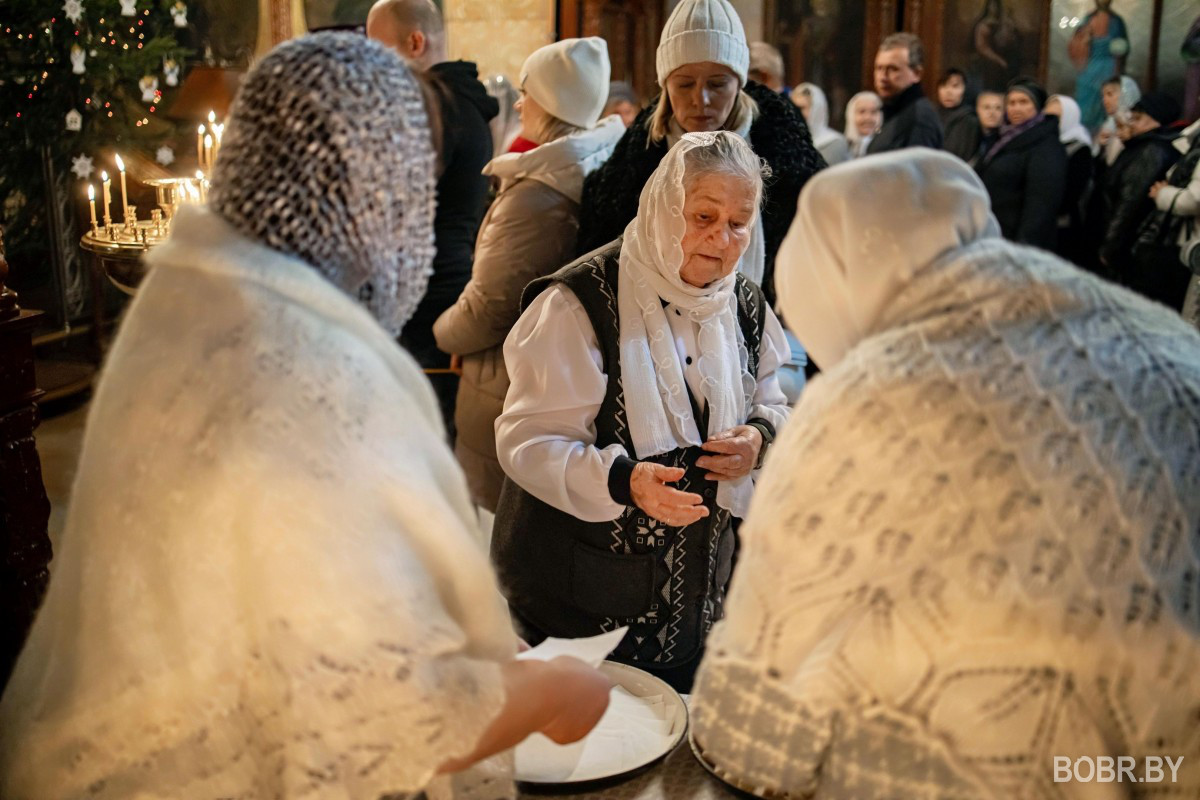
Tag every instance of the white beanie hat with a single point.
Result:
(703, 30)
(569, 79)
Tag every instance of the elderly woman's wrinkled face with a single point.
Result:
(702, 96)
(720, 210)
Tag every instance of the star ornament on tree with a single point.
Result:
(165, 156)
(74, 10)
(82, 167)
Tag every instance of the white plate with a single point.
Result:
(541, 763)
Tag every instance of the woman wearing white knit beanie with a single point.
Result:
(529, 232)
(702, 61)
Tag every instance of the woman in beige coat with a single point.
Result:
(529, 232)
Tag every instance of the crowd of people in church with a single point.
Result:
(884, 445)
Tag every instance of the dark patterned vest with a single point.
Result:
(572, 578)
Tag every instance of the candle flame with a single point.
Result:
(207, 140)
(212, 117)
(199, 175)
(120, 163)
(200, 131)
(91, 192)
(104, 176)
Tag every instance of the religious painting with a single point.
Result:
(1093, 40)
(1179, 55)
(993, 41)
(221, 32)
(821, 42)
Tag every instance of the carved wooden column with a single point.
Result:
(24, 508)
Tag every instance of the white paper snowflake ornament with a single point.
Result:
(179, 12)
(82, 167)
(165, 156)
(171, 70)
(73, 10)
(128, 8)
(78, 58)
(74, 120)
(149, 86)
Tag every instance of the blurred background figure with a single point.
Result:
(1025, 171)
(506, 125)
(1177, 199)
(813, 105)
(1125, 188)
(956, 110)
(989, 110)
(766, 66)
(1118, 94)
(1072, 236)
(864, 115)
(909, 119)
(622, 101)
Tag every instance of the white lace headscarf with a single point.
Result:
(656, 394)
(863, 230)
(329, 158)
(858, 142)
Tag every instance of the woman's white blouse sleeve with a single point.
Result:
(769, 401)
(546, 437)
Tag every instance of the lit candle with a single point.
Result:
(212, 118)
(92, 203)
(207, 150)
(124, 196)
(203, 186)
(219, 130)
(106, 196)
(200, 146)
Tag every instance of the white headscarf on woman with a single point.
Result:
(858, 142)
(656, 398)
(834, 289)
(818, 115)
(1070, 127)
(1130, 94)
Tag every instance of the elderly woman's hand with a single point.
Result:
(648, 487)
(737, 452)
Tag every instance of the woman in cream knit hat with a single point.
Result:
(528, 232)
(702, 62)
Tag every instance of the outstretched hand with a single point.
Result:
(650, 492)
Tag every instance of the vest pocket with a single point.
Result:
(607, 584)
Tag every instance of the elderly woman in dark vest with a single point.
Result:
(644, 395)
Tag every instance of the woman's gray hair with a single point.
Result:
(726, 154)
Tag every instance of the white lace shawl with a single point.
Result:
(974, 547)
(270, 583)
(656, 394)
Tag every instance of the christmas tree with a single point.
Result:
(78, 81)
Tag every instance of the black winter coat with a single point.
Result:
(961, 128)
(1072, 243)
(1026, 180)
(779, 136)
(465, 108)
(909, 120)
(1125, 192)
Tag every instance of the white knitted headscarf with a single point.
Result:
(656, 395)
(329, 158)
(863, 230)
